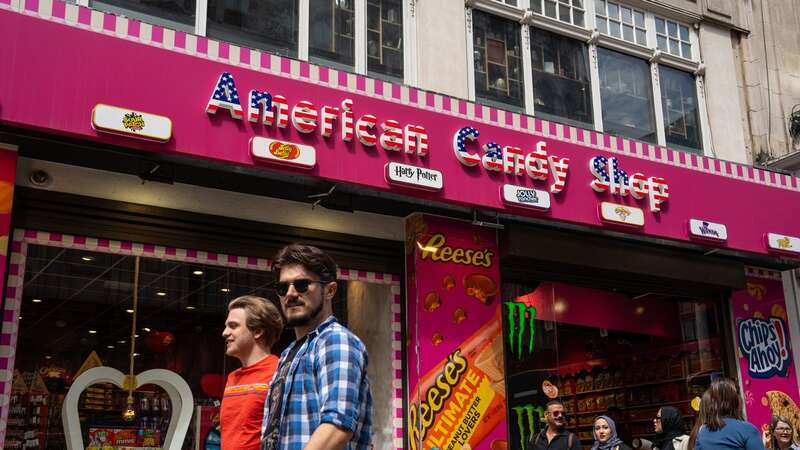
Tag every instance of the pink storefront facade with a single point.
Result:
(73, 73)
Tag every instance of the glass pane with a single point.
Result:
(686, 51)
(679, 105)
(626, 95)
(498, 42)
(561, 86)
(641, 37)
(627, 32)
(610, 361)
(577, 17)
(627, 15)
(674, 48)
(638, 18)
(602, 25)
(536, 6)
(170, 13)
(662, 43)
(511, 2)
(614, 28)
(385, 37)
(684, 33)
(332, 37)
(600, 7)
(660, 26)
(563, 13)
(613, 10)
(672, 27)
(550, 8)
(577, 3)
(269, 24)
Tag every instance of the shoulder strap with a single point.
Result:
(570, 437)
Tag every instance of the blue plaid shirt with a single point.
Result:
(326, 383)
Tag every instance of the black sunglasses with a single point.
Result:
(301, 285)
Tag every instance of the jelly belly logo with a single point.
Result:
(285, 153)
(763, 343)
(283, 150)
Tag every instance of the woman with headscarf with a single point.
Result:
(605, 435)
(780, 435)
(670, 434)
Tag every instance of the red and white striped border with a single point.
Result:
(759, 272)
(16, 272)
(201, 47)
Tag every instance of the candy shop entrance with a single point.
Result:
(578, 329)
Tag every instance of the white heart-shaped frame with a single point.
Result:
(179, 394)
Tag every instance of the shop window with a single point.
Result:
(76, 311)
(626, 96)
(498, 67)
(673, 38)
(603, 352)
(620, 21)
(561, 82)
(265, 24)
(177, 14)
(569, 11)
(332, 32)
(385, 37)
(679, 105)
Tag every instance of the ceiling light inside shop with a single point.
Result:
(136, 354)
(37, 300)
(120, 342)
(190, 307)
(20, 317)
(87, 258)
(109, 346)
(161, 293)
(47, 356)
(129, 311)
(92, 331)
(224, 290)
(198, 272)
(639, 310)
(146, 329)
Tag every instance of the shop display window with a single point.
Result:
(76, 306)
(332, 36)
(177, 14)
(605, 352)
(679, 104)
(626, 95)
(498, 67)
(270, 25)
(385, 38)
(561, 83)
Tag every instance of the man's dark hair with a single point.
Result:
(310, 257)
(553, 402)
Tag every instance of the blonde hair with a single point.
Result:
(262, 317)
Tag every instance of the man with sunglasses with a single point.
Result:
(320, 397)
(555, 436)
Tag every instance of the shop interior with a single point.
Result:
(605, 352)
(76, 313)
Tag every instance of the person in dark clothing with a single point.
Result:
(670, 432)
(605, 435)
(555, 436)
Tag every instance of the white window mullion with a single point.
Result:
(410, 75)
(360, 36)
(303, 30)
(201, 17)
(594, 74)
(702, 112)
(659, 111)
(470, 55)
(650, 24)
(695, 43)
(527, 69)
(590, 19)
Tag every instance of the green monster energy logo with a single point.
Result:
(527, 415)
(518, 314)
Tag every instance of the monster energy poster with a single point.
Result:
(457, 395)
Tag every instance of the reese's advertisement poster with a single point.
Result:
(455, 347)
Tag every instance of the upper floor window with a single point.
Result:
(570, 11)
(561, 81)
(508, 2)
(498, 67)
(673, 37)
(679, 106)
(385, 37)
(621, 22)
(265, 24)
(177, 14)
(332, 36)
(626, 95)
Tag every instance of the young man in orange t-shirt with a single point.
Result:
(253, 326)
